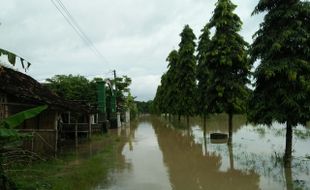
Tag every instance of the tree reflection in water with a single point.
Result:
(267, 164)
(252, 161)
(189, 168)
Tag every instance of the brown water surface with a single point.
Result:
(162, 155)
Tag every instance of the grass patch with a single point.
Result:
(70, 171)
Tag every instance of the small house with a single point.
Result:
(19, 92)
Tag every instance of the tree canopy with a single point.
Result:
(72, 87)
(79, 88)
(170, 82)
(186, 74)
(203, 73)
(282, 88)
(282, 45)
(227, 61)
(123, 95)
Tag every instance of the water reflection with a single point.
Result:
(145, 168)
(189, 168)
(171, 155)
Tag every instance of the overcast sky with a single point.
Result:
(134, 36)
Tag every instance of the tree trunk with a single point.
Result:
(187, 120)
(231, 157)
(288, 178)
(205, 133)
(288, 145)
(179, 117)
(204, 125)
(230, 128)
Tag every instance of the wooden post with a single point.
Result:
(56, 140)
(69, 117)
(56, 132)
(230, 127)
(89, 126)
(32, 141)
(76, 134)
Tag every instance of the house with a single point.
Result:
(19, 92)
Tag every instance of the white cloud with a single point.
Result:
(145, 86)
(135, 36)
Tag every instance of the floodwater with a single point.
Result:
(162, 155)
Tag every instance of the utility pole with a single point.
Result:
(114, 72)
(118, 116)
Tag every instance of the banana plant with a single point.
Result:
(9, 134)
(8, 125)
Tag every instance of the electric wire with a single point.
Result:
(80, 29)
(72, 22)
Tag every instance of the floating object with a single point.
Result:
(218, 138)
(218, 141)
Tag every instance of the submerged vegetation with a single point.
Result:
(10, 138)
(212, 76)
(73, 170)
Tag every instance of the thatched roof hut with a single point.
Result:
(27, 90)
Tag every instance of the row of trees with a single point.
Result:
(145, 107)
(222, 68)
(79, 88)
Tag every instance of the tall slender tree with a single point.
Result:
(171, 88)
(203, 73)
(157, 103)
(186, 74)
(161, 95)
(228, 63)
(282, 44)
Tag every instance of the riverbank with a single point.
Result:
(81, 168)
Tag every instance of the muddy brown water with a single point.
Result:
(163, 155)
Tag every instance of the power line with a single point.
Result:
(79, 28)
(72, 22)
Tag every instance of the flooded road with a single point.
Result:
(158, 154)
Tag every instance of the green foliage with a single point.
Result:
(70, 171)
(12, 58)
(268, 5)
(166, 98)
(131, 105)
(72, 87)
(203, 73)
(160, 97)
(226, 62)
(8, 135)
(79, 88)
(7, 125)
(170, 84)
(123, 95)
(145, 107)
(282, 44)
(158, 106)
(17, 119)
(186, 74)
